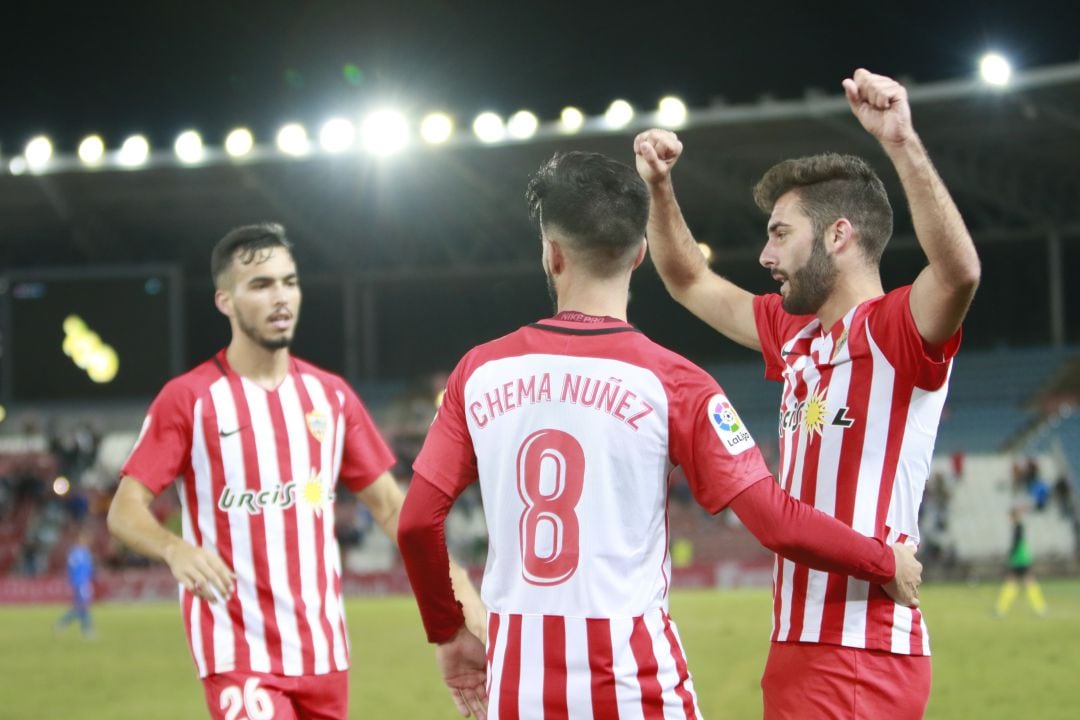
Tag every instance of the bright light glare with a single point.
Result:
(522, 125)
(706, 251)
(489, 127)
(385, 132)
(61, 486)
(436, 128)
(619, 114)
(292, 139)
(337, 135)
(571, 120)
(995, 69)
(239, 142)
(671, 112)
(189, 147)
(92, 149)
(134, 151)
(38, 152)
(17, 166)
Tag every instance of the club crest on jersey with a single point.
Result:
(317, 423)
(728, 425)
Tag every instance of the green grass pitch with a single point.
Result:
(139, 666)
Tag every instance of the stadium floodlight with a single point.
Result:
(239, 142)
(571, 120)
(189, 147)
(61, 485)
(337, 135)
(385, 132)
(17, 165)
(522, 125)
(134, 151)
(995, 70)
(436, 128)
(38, 152)
(292, 139)
(91, 149)
(671, 112)
(489, 127)
(618, 115)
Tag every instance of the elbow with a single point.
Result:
(968, 276)
(114, 520)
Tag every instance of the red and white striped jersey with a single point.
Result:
(858, 419)
(257, 471)
(572, 428)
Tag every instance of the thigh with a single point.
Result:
(893, 686)
(322, 697)
(254, 696)
(809, 681)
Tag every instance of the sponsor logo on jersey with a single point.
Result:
(312, 492)
(729, 426)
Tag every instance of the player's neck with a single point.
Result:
(850, 290)
(266, 368)
(594, 297)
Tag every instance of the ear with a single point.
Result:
(640, 257)
(840, 237)
(223, 302)
(556, 256)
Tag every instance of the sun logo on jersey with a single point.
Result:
(725, 417)
(814, 413)
(314, 494)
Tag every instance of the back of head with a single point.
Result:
(595, 206)
(245, 245)
(829, 187)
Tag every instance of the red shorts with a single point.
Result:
(805, 680)
(260, 696)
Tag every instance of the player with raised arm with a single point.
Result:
(572, 426)
(865, 375)
(259, 440)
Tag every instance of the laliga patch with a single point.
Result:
(728, 425)
(317, 423)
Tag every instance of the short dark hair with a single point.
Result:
(245, 244)
(831, 186)
(600, 207)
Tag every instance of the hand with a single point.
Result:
(904, 587)
(199, 570)
(881, 105)
(463, 665)
(656, 152)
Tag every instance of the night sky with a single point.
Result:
(160, 67)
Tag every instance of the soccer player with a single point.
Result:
(1019, 570)
(80, 570)
(865, 374)
(260, 440)
(572, 425)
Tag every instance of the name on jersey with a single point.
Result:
(607, 396)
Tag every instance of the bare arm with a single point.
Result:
(384, 499)
(130, 521)
(943, 291)
(715, 300)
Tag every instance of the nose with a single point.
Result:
(767, 258)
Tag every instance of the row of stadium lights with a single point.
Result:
(383, 132)
(386, 132)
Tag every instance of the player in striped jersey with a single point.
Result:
(865, 374)
(260, 440)
(572, 426)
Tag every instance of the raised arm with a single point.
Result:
(384, 499)
(944, 289)
(199, 570)
(715, 300)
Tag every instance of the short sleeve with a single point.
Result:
(775, 326)
(163, 451)
(448, 459)
(893, 329)
(711, 442)
(366, 455)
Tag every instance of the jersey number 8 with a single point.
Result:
(550, 476)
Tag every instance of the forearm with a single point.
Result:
(808, 536)
(939, 227)
(131, 522)
(672, 246)
(422, 541)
